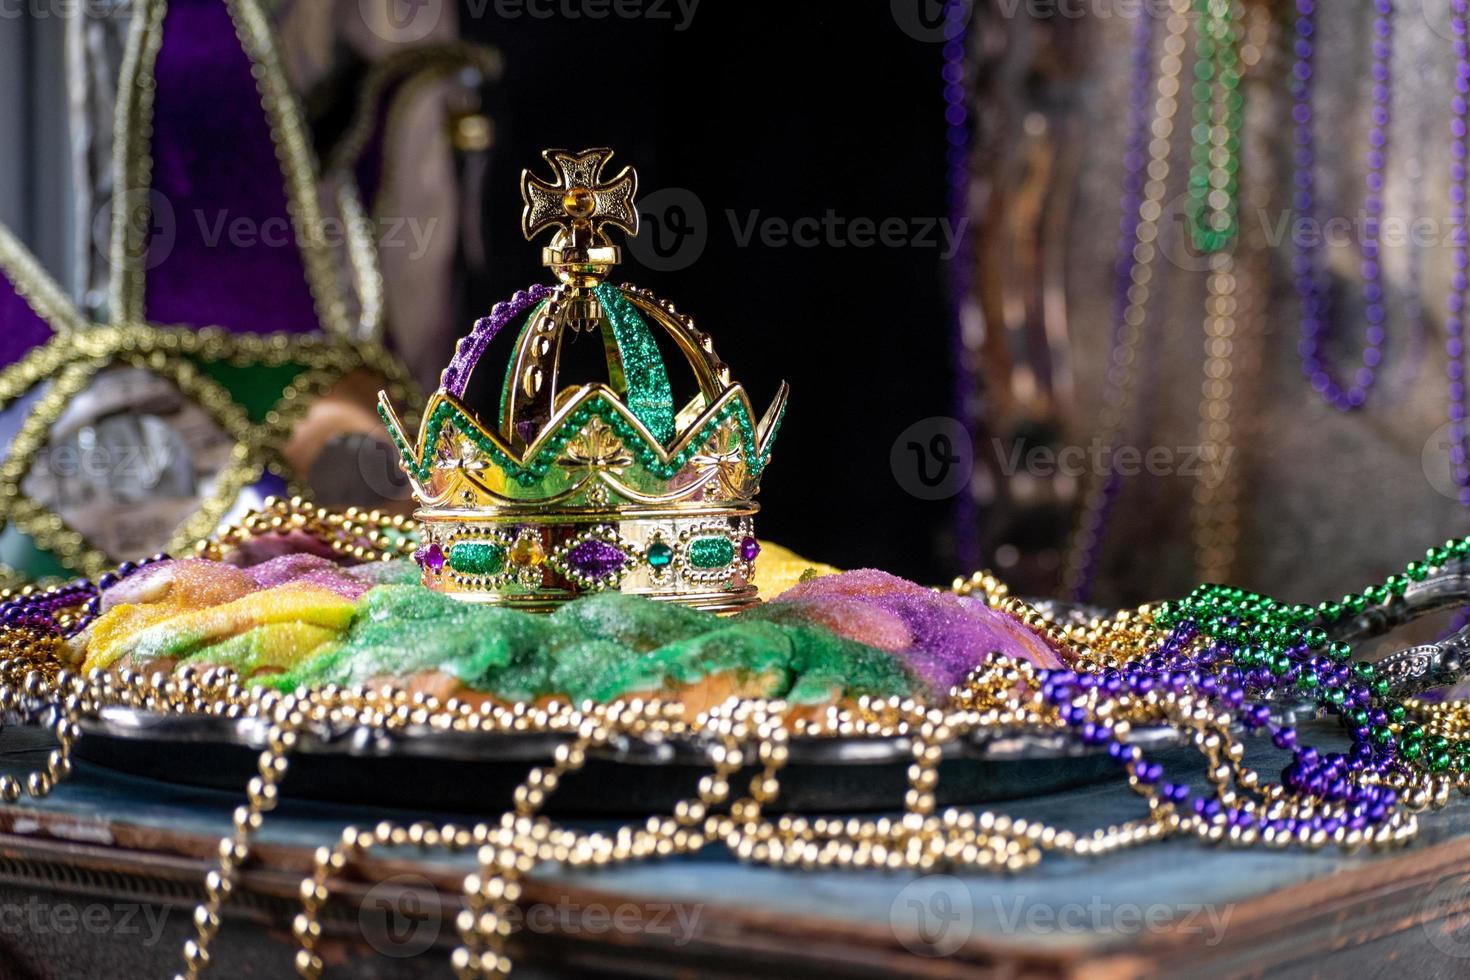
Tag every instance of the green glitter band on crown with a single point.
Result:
(650, 398)
(444, 414)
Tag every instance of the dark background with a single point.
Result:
(789, 109)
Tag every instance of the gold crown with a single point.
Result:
(586, 487)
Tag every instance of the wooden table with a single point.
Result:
(100, 879)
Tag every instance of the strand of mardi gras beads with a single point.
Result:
(1306, 261)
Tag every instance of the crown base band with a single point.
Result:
(702, 557)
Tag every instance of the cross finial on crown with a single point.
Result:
(579, 198)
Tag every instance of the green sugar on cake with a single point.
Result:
(598, 648)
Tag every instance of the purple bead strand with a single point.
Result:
(1306, 261)
(39, 610)
(1455, 304)
(1135, 160)
(961, 274)
(1174, 668)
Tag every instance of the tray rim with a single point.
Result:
(1017, 744)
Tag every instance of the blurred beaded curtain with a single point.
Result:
(1253, 382)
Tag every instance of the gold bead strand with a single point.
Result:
(1122, 372)
(1216, 508)
(234, 850)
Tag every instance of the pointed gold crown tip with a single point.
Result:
(581, 204)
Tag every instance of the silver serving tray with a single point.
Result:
(427, 767)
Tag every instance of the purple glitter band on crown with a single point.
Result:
(472, 348)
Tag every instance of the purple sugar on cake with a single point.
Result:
(308, 569)
(939, 637)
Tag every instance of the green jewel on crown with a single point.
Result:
(606, 484)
